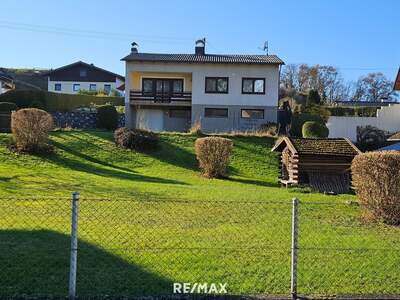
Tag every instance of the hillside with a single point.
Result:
(26, 79)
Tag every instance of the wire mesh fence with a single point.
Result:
(141, 248)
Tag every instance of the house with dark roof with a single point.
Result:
(79, 76)
(6, 83)
(324, 164)
(221, 93)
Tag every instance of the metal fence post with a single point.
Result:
(74, 246)
(295, 216)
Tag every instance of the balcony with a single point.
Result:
(164, 99)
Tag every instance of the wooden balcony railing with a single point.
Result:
(160, 97)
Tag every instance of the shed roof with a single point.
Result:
(206, 58)
(326, 146)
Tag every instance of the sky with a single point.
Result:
(358, 36)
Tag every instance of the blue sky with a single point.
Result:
(356, 36)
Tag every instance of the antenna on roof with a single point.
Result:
(264, 47)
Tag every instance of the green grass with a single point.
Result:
(164, 223)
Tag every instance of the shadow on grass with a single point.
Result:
(253, 181)
(36, 263)
(103, 169)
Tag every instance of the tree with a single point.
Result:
(372, 87)
(313, 98)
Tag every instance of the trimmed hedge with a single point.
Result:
(56, 102)
(5, 115)
(213, 154)
(376, 178)
(313, 129)
(341, 111)
(298, 120)
(136, 139)
(107, 117)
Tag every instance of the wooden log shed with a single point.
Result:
(324, 164)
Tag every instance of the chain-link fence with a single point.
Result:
(141, 248)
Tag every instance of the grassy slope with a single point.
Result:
(250, 243)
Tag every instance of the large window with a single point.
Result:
(76, 87)
(217, 85)
(216, 112)
(107, 88)
(162, 85)
(92, 87)
(57, 87)
(252, 113)
(253, 86)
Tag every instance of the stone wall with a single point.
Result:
(80, 120)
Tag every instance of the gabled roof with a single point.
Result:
(394, 137)
(397, 82)
(83, 64)
(206, 58)
(325, 146)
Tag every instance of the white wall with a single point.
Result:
(388, 119)
(235, 74)
(67, 86)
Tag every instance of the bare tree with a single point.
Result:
(372, 87)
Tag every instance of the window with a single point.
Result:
(107, 88)
(76, 87)
(162, 85)
(57, 87)
(252, 113)
(253, 86)
(217, 85)
(179, 113)
(83, 73)
(216, 112)
(92, 87)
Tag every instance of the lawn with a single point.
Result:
(148, 220)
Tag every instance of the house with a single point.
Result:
(171, 92)
(6, 83)
(79, 76)
(397, 82)
(324, 164)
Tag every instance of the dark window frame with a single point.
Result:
(56, 85)
(216, 108)
(216, 85)
(170, 81)
(106, 89)
(253, 79)
(78, 85)
(254, 109)
(90, 87)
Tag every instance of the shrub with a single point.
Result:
(298, 119)
(313, 98)
(136, 139)
(213, 154)
(269, 129)
(312, 129)
(107, 117)
(376, 178)
(7, 106)
(370, 137)
(196, 129)
(30, 128)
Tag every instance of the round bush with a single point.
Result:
(213, 154)
(7, 106)
(313, 129)
(136, 139)
(298, 119)
(107, 117)
(30, 128)
(376, 178)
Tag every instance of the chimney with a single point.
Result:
(200, 47)
(134, 47)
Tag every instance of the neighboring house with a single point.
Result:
(6, 83)
(80, 76)
(395, 95)
(323, 164)
(171, 92)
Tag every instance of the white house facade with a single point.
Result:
(80, 76)
(171, 92)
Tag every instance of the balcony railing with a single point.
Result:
(160, 97)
